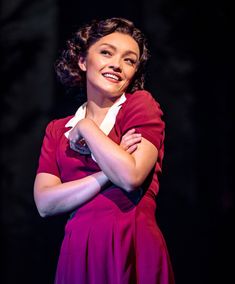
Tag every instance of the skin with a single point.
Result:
(53, 197)
(110, 66)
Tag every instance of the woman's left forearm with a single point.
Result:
(117, 164)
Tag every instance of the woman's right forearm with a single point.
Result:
(53, 197)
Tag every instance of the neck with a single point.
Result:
(100, 98)
(96, 112)
(98, 107)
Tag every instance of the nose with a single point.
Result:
(116, 65)
(115, 68)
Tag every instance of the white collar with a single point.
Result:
(108, 122)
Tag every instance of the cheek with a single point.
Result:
(97, 62)
(92, 69)
(130, 74)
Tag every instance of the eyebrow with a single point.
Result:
(126, 52)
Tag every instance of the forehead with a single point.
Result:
(119, 41)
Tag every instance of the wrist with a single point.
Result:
(102, 179)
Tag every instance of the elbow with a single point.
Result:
(130, 188)
(45, 213)
(43, 204)
(42, 208)
(46, 208)
(42, 214)
(131, 183)
(42, 211)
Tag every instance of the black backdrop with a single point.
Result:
(190, 74)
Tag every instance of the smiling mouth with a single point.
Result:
(112, 76)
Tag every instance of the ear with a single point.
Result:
(82, 63)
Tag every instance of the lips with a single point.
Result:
(112, 76)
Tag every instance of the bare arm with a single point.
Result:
(112, 159)
(54, 197)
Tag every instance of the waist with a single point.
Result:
(114, 200)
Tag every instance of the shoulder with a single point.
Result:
(142, 112)
(57, 125)
(60, 122)
(139, 94)
(142, 100)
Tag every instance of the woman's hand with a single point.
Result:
(74, 133)
(130, 141)
(112, 158)
(76, 141)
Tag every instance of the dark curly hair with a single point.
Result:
(66, 67)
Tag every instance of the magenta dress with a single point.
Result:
(114, 238)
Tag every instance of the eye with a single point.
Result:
(105, 52)
(130, 61)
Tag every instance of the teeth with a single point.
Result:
(112, 76)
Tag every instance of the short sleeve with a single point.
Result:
(142, 112)
(47, 159)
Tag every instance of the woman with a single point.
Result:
(102, 164)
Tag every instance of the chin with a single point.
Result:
(112, 92)
(116, 94)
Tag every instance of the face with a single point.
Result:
(110, 65)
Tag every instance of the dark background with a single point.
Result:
(190, 74)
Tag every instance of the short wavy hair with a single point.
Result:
(66, 67)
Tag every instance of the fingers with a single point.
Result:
(80, 146)
(74, 135)
(129, 132)
(77, 143)
(131, 149)
(130, 141)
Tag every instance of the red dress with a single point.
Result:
(114, 238)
